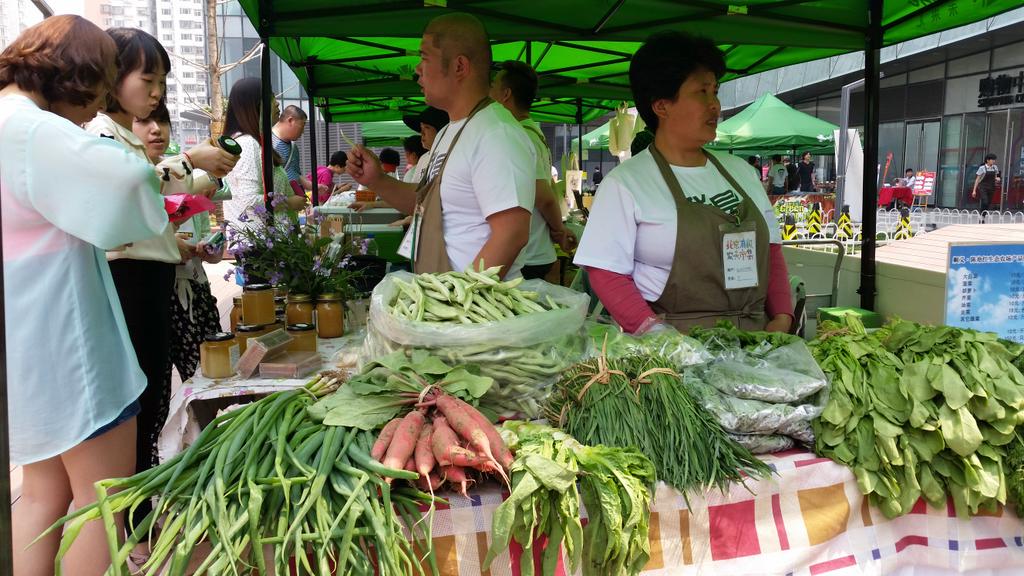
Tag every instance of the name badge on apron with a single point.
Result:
(412, 236)
(739, 255)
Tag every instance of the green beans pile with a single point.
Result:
(465, 297)
(636, 401)
(266, 477)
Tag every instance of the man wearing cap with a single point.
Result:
(427, 123)
(474, 204)
(515, 87)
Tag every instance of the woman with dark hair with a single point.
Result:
(144, 271)
(73, 378)
(986, 183)
(414, 150)
(242, 122)
(682, 236)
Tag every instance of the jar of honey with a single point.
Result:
(303, 338)
(246, 331)
(299, 309)
(258, 304)
(218, 355)
(236, 313)
(330, 315)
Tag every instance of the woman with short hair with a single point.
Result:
(682, 236)
(73, 377)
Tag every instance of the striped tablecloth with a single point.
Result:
(809, 519)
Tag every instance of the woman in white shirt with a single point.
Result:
(679, 235)
(144, 271)
(73, 379)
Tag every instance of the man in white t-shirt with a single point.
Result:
(776, 184)
(487, 188)
(515, 87)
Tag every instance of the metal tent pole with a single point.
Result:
(314, 180)
(267, 134)
(872, 52)
(579, 130)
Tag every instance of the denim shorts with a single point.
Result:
(131, 411)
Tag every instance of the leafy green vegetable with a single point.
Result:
(388, 386)
(921, 411)
(615, 487)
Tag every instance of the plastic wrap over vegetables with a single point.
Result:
(745, 416)
(679, 349)
(538, 336)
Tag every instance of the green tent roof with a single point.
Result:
(363, 51)
(389, 133)
(596, 139)
(770, 124)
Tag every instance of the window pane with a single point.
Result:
(828, 109)
(974, 155)
(969, 64)
(891, 103)
(949, 162)
(1008, 56)
(890, 140)
(962, 94)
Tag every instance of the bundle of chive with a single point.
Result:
(267, 475)
(637, 401)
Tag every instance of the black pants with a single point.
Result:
(987, 200)
(144, 288)
(537, 271)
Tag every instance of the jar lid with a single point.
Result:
(249, 327)
(238, 300)
(256, 287)
(330, 296)
(300, 327)
(220, 336)
(280, 300)
(299, 298)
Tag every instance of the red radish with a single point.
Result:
(380, 447)
(505, 457)
(462, 423)
(424, 455)
(455, 474)
(430, 483)
(404, 441)
(443, 441)
(467, 459)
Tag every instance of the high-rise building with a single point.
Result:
(180, 28)
(117, 13)
(15, 16)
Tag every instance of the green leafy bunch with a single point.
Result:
(920, 411)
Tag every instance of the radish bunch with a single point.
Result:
(443, 440)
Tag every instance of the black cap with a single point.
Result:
(431, 116)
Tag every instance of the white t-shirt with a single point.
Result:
(491, 170)
(632, 224)
(985, 168)
(539, 250)
(778, 175)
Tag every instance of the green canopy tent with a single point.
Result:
(771, 125)
(596, 139)
(389, 133)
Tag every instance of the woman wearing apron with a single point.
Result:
(680, 236)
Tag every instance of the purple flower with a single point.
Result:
(317, 264)
(276, 277)
(276, 200)
(260, 209)
(270, 243)
(243, 217)
(227, 275)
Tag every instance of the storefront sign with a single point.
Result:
(985, 288)
(1003, 90)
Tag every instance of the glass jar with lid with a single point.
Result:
(258, 304)
(236, 313)
(246, 331)
(303, 338)
(299, 309)
(218, 355)
(330, 315)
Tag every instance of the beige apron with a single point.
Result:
(430, 252)
(695, 294)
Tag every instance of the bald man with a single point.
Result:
(482, 164)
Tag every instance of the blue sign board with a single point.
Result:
(985, 288)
